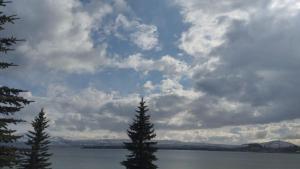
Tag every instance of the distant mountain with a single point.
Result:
(165, 144)
(272, 146)
(58, 141)
(278, 144)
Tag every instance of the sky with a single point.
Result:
(210, 71)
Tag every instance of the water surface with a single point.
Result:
(76, 158)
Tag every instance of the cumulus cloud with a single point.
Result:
(146, 37)
(237, 134)
(239, 85)
(92, 113)
(142, 35)
(149, 86)
(83, 111)
(61, 37)
(245, 63)
(258, 67)
(209, 22)
(58, 34)
(170, 66)
(90, 110)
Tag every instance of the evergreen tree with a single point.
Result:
(38, 156)
(10, 100)
(141, 148)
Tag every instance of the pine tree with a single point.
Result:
(141, 147)
(10, 100)
(38, 156)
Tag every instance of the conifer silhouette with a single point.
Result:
(10, 100)
(38, 156)
(141, 148)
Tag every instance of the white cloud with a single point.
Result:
(209, 22)
(142, 35)
(92, 114)
(242, 70)
(292, 6)
(146, 37)
(168, 65)
(59, 36)
(237, 134)
(63, 42)
(171, 86)
(137, 62)
(179, 119)
(149, 86)
(172, 66)
(84, 110)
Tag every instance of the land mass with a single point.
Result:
(266, 147)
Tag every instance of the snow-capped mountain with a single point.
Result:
(278, 144)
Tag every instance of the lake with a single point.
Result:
(77, 158)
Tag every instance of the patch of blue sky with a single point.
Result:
(124, 81)
(186, 82)
(13, 80)
(116, 44)
(85, 1)
(121, 47)
(159, 13)
(110, 80)
(166, 18)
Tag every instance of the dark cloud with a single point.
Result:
(261, 134)
(259, 63)
(292, 137)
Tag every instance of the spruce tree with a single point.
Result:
(38, 140)
(141, 147)
(10, 99)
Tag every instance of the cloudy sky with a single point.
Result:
(211, 71)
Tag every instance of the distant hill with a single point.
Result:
(58, 141)
(269, 147)
(278, 144)
(272, 146)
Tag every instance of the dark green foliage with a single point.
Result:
(141, 148)
(10, 100)
(4, 65)
(38, 156)
(6, 43)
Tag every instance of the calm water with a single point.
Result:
(76, 158)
